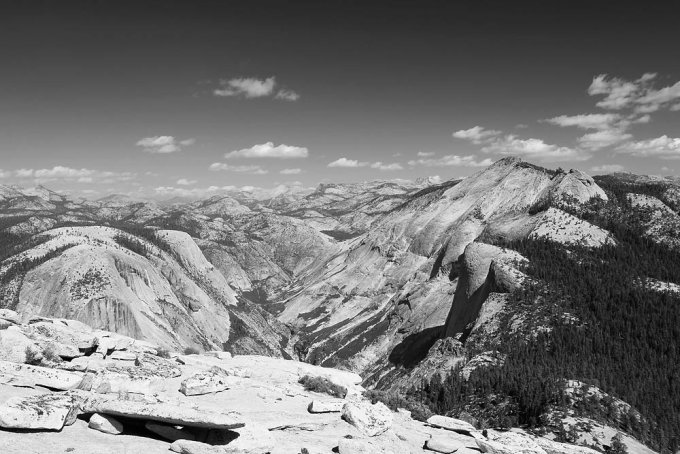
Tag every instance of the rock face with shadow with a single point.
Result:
(422, 272)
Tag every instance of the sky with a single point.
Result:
(165, 98)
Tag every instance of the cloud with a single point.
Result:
(663, 147)
(268, 150)
(452, 160)
(599, 121)
(426, 154)
(290, 171)
(608, 168)
(476, 134)
(63, 173)
(380, 166)
(248, 87)
(287, 95)
(251, 87)
(163, 144)
(250, 169)
(185, 182)
(533, 149)
(640, 94)
(344, 162)
(601, 139)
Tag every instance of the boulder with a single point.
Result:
(214, 380)
(50, 411)
(453, 424)
(14, 344)
(325, 406)
(444, 444)
(4, 324)
(105, 344)
(171, 433)
(371, 419)
(106, 424)
(72, 340)
(169, 413)
(42, 376)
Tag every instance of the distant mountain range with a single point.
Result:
(396, 280)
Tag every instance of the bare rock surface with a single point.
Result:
(214, 380)
(264, 409)
(371, 419)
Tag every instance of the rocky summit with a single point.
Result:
(494, 313)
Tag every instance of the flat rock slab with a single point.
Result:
(45, 411)
(325, 406)
(42, 376)
(105, 423)
(169, 413)
(447, 423)
(444, 445)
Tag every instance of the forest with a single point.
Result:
(625, 340)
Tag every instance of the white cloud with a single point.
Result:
(64, 173)
(251, 87)
(268, 150)
(533, 149)
(290, 171)
(380, 166)
(639, 94)
(248, 87)
(586, 121)
(250, 169)
(344, 162)
(476, 134)
(452, 160)
(663, 147)
(287, 95)
(608, 168)
(163, 144)
(426, 154)
(185, 182)
(601, 139)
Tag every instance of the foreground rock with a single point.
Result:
(106, 424)
(42, 376)
(168, 413)
(371, 419)
(46, 411)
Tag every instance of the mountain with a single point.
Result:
(483, 297)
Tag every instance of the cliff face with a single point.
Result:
(115, 281)
(386, 296)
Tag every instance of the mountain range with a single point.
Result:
(518, 296)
